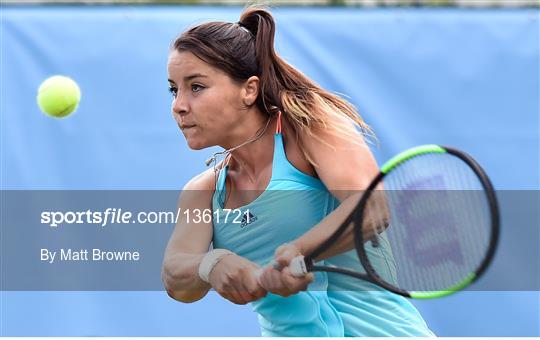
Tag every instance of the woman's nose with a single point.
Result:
(180, 105)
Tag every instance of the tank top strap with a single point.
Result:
(279, 162)
(220, 189)
(222, 175)
(283, 170)
(278, 124)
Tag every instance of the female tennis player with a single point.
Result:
(291, 163)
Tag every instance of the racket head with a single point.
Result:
(443, 223)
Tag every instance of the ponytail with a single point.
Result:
(305, 104)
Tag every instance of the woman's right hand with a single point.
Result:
(233, 277)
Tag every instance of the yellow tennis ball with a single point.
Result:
(58, 96)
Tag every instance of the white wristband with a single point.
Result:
(209, 261)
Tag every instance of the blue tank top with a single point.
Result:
(334, 305)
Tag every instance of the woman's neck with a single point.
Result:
(252, 158)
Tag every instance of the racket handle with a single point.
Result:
(298, 266)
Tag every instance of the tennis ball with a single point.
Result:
(58, 96)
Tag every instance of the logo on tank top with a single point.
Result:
(247, 219)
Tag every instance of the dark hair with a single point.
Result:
(246, 49)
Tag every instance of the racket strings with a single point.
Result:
(439, 226)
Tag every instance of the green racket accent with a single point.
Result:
(413, 152)
(441, 293)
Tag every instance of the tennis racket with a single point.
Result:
(426, 227)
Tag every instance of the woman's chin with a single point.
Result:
(195, 144)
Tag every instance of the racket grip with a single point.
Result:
(298, 267)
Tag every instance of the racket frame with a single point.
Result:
(356, 217)
(494, 216)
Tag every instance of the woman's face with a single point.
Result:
(207, 103)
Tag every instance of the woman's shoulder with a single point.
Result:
(198, 191)
(205, 180)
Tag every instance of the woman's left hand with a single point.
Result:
(282, 282)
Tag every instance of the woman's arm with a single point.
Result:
(232, 277)
(346, 170)
(188, 245)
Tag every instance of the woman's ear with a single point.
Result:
(251, 90)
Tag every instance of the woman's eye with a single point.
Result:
(196, 88)
(173, 91)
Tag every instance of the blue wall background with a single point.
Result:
(465, 78)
